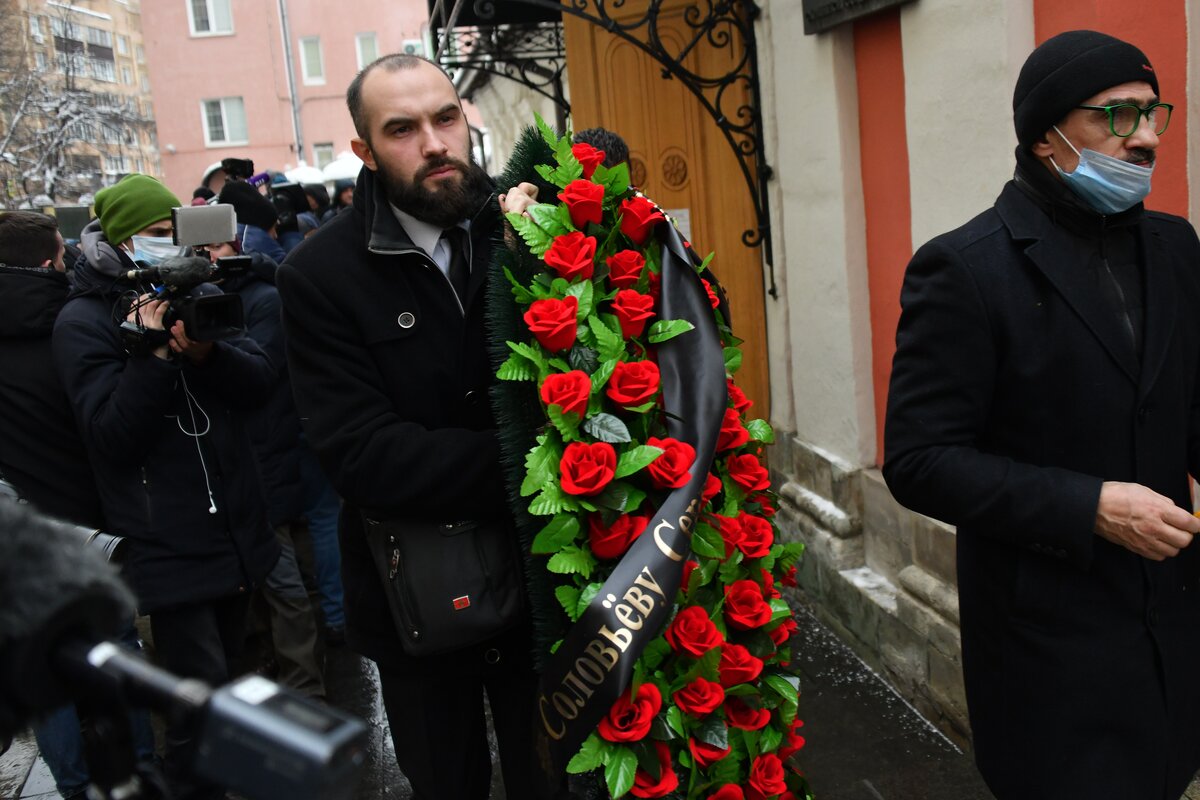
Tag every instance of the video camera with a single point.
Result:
(208, 315)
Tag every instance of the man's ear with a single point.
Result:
(363, 151)
(1041, 148)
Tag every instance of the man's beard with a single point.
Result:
(445, 206)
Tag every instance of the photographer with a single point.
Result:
(162, 423)
(256, 219)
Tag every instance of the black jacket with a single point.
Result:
(1015, 393)
(137, 415)
(391, 380)
(41, 453)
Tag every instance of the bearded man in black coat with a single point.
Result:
(383, 312)
(1044, 399)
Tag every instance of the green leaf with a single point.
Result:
(583, 291)
(572, 561)
(545, 216)
(708, 568)
(566, 424)
(534, 354)
(791, 554)
(615, 180)
(520, 293)
(602, 374)
(568, 598)
(713, 731)
(779, 609)
(609, 344)
(583, 359)
(541, 466)
(619, 771)
(733, 358)
(615, 496)
(660, 730)
(546, 171)
(727, 770)
(675, 720)
(517, 368)
(732, 570)
(783, 687)
(548, 134)
(703, 265)
(585, 598)
(635, 459)
(758, 642)
(771, 739)
(751, 739)
(536, 239)
(552, 500)
(558, 533)
(647, 758)
(666, 329)
(606, 428)
(707, 542)
(589, 757)
(761, 431)
(655, 653)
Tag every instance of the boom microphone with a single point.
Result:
(176, 271)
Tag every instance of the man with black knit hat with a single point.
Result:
(256, 220)
(1044, 399)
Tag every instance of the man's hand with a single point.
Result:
(196, 352)
(149, 314)
(517, 199)
(1143, 521)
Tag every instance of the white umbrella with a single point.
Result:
(305, 174)
(346, 165)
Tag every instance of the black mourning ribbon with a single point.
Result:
(460, 267)
(594, 664)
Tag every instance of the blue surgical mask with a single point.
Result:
(1107, 184)
(154, 249)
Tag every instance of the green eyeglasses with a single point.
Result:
(1123, 118)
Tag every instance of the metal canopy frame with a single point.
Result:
(533, 54)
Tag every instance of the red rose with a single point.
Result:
(633, 310)
(629, 718)
(712, 488)
(646, 785)
(737, 397)
(587, 468)
(583, 199)
(670, 470)
(766, 776)
(693, 633)
(614, 540)
(783, 631)
(625, 268)
(633, 383)
(749, 473)
(731, 532)
(737, 665)
(587, 156)
(789, 577)
(553, 322)
(745, 607)
(713, 299)
(768, 584)
(572, 255)
(654, 285)
(733, 433)
(792, 741)
(757, 536)
(689, 567)
(730, 791)
(567, 390)
(706, 754)
(700, 697)
(764, 504)
(638, 216)
(740, 715)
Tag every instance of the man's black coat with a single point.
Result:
(391, 380)
(1014, 395)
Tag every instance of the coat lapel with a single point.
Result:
(1160, 306)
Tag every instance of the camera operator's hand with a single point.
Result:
(149, 314)
(196, 352)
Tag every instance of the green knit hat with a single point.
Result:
(135, 202)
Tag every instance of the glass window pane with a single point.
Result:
(235, 119)
(200, 21)
(367, 49)
(214, 121)
(311, 48)
(222, 16)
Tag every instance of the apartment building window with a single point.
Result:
(122, 44)
(141, 55)
(40, 59)
(65, 30)
(224, 121)
(35, 28)
(368, 49)
(126, 76)
(99, 37)
(208, 17)
(145, 82)
(310, 55)
(322, 154)
(103, 70)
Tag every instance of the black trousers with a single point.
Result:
(196, 640)
(435, 710)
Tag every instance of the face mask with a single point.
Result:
(154, 249)
(1107, 184)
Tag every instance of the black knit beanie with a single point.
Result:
(1067, 69)
(250, 207)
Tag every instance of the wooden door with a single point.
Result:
(679, 158)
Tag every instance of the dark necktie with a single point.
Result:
(460, 268)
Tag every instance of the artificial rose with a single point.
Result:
(745, 607)
(670, 470)
(629, 718)
(633, 310)
(706, 754)
(552, 321)
(589, 157)
(731, 533)
(764, 504)
(766, 777)
(689, 567)
(789, 577)
(638, 218)
(739, 714)
(693, 633)
(768, 584)
(749, 473)
(633, 383)
(737, 665)
(625, 268)
(646, 785)
(733, 433)
(613, 540)
(584, 201)
(757, 536)
(700, 697)
(730, 791)
(654, 285)
(737, 397)
(567, 390)
(792, 741)
(783, 631)
(572, 256)
(713, 299)
(712, 488)
(587, 468)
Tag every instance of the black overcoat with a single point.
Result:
(1013, 397)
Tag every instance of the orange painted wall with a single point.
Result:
(879, 63)
(1160, 30)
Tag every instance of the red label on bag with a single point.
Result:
(462, 602)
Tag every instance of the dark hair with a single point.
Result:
(614, 147)
(393, 62)
(27, 238)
